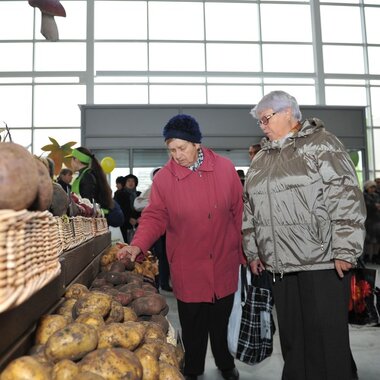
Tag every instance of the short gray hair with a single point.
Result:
(278, 101)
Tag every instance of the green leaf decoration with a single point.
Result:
(58, 153)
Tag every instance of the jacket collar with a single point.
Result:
(309, 126)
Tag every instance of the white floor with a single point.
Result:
(365, 345)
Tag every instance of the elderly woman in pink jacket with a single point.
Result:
(197, 199)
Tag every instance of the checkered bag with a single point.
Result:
(255, 341)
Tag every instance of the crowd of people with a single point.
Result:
(298, 213)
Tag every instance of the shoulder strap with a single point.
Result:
(76, 184)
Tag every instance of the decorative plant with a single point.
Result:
(58, 153)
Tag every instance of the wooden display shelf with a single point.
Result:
(17, 325)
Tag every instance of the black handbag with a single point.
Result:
(257, 327)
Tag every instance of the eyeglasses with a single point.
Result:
(265, 119)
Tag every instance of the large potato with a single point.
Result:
(25, 368)
(149, 305)
(113, 364)
(76, 291)
(48, 325)
(168, 372)
(66, 309)
(153, 346)
(168, 354)
(18, 177)
(153, 330)
(94, 320)
(149, 362)
(44, 196)
(129, 314)
(65, 370)
(127, 335)
(116, 313)
(88, 376)
(72, 342)
(93, 302)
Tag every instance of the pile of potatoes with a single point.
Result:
(115, 330)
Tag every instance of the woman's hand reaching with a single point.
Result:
(131, 251)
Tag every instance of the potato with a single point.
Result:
(162, 321)
(149, 305)
(129, 314)
(149, 362)
(113, 364)
(94, 320)
(153, 346)
(72, 342)
(67, 308)
(127, 335)
(88, 376)
(19, 181)
(128, 264)
(149, 288)
(116, 313)
(134, 278)
(44, 196)
(25, 368)
(117, 266)
(76, 291)
(64, 370)
(116, 278)
(165, 311)
(93, 302)
(138, 292)
(124, 298)
(98, 283)
(153, 330)
(48, 325)
(168, 372)
(168, 354)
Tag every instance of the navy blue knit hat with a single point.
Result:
(183, 127)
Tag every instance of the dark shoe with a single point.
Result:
(191, 377)
(167, 288)
(230, 374)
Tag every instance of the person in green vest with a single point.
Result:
(91, 182)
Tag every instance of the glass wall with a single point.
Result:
(185, 52)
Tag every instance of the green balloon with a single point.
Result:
(355, 157)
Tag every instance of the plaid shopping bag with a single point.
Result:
(257, 327)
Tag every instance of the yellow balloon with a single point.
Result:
(108, 164)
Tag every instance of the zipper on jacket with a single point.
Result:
(319, 231)
(271, 217)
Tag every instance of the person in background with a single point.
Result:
(372, 223)
(64, 179)
(303, 222)
(197, 199)
(241, 175)
(91, 182)
(131, 216)
(159, 247)
(121, 196)
(253, 150)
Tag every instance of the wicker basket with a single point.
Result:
(29, 252)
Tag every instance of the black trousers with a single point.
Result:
(198, 321)
(312, 311)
